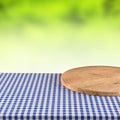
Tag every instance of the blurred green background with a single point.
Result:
(56, 35)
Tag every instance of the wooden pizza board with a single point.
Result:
(93, 80)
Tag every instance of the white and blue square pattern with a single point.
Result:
(41, 96)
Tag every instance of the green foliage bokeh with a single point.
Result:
(46, 12)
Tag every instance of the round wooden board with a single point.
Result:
(93, 80)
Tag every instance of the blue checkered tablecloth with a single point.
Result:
(41, 96)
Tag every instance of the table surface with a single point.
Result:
(41, 96)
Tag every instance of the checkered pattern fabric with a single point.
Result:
(41, 96)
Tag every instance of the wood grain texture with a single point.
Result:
(93, 80)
